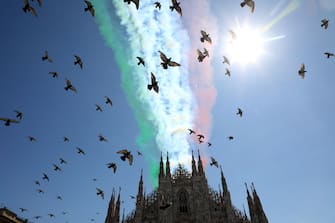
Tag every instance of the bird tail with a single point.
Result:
(150, 86)
(202, 39)
(242, 4)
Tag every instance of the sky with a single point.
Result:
(284, 142)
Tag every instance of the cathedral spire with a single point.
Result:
(122, 221)
(251, 206)
(110, 212)
(200, 168)
(117, 208)
(140, 190)
(258, 206)
(161, 167)
(167, 170)
(194, 168)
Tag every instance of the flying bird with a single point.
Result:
(302, 71)
(23, 209)
(202, 55)
(54, 74)
(126, 155)
(19, 114)
(46, 57)
(66, 139)
(132, 197)
(31, 138)
(56, 168)
(98, 108)
(239, 112)
(191, 131)
(62, 161)
(249, 3)
(51, 215)
(140, 61)
(167, 61)
(70, 86)
(80, 151)
(108, 101)
(230, 137)
(37, 182)
(175, 5)
(233, 34)
(154, 84)
(40, 191)
(59, 197)
(200, 136)
(100, 192)
(227, 72)
(8, 121)
(324, 23)
(158, 5)
(225, 60)
(45, 177)
(329, 54)
(139, 153)
(37, 217)
(112, 165)
(205, 37)
(102, 138)
(78, 61)
(136, 2)
(89, 7)
(209, 144)
(28, 8)
(214, 162)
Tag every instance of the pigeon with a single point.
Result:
(94, 179)
(205, 37)
(202, 55)
(139, 153)
(37, 182)
(70, 86)
(227, 72)
(102, 138)
(329, 54)
(230, 137)
(158, 5)
(126, 155)
(108, 101)
(66, 139)
(89, 8)
(59, 198)
(56, 168)
(132, 197)
(136, 2)
(200, 136)
(23, 209)
(100, 192)
(112, 165)
(191, 131)
(45, 177)
(80, 151)
(239, 112)
(249, 3)
(8, 121)
(140, 61)
(324, 23)
(225, 60)
(209, 144)
(54, 74)
(46, 57)
(167, 61)
(40, 191)
(154, 84)
(51, 215)
(31, 138)
(19, 114)
(62, 161)
(175, 5)
(28, 8)
(98, 108)
(78, 61)
(302, 71)
(214, 162)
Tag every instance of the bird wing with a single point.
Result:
(137, 3)
(122, 151)
(173, 64)
(302, 67)
(251, 4)
(153, 78)
(72, 88)
(199, 53)
(178, 9)
(213, 160)
(163, 56)
(88, 3)
(10, 120)
(92, 11)
(68, 82)
(130, 159)
(203, 33)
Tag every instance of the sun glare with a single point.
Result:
(245, 45)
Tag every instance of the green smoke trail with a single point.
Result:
(110, 30)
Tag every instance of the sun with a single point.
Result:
(245, 45)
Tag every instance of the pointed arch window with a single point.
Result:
(183, 201)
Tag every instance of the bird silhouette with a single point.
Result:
(329, 54)
(302, 71)
(69, 86)
(66, 139)
(54, 74)
(167, 61)
(59, 197)
(45, 177)
(112, 165)
(19, 114)
(100, 192)
(37, 183)
(23, 209)
(98, 108)
(214, 162)
(31, 139)
(89, 7)
(62, 161)
(56, 168)
(40, 191)
(140, 61)
(108, 101)
(28, 8)
(202, 55)
(176, 5)
(230, 137)
(209, 144)
(225, 60)
(139, 153)
(46, 57)
(78, 61)
(126, 155)
(324, 23)
(227, 72)
(205, 37)
(158, 5)
(154, 84)
(191, 131)
(249, 3)
(51, 215)
(239, 112)
(37, 217)
(200, 136)
(8, 121)
(136, 2)
(132, 197)
(102, 138)
(80, 151)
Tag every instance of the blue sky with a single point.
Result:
(284, 142)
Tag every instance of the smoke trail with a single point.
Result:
(167, 115)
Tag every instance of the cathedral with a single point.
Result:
(185, 197)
